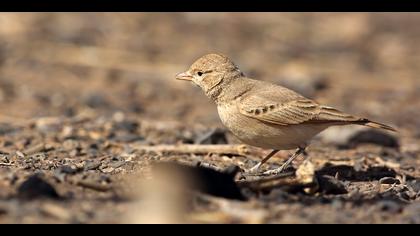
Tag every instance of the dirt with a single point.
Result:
(82, 95)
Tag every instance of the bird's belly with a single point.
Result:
(266, 135)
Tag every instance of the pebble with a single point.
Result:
(92, 165)
(20, 154)
(108, 170)
(331, 185)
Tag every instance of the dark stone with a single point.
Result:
(94, 146)
(331, 185)
(93, 165)
(36, 187)
(232, 170)
(374, 137)
(130, 126)
(96, 101)
(68, 170)
(126, 138)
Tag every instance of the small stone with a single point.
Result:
(95, 135)
(68, 170)
(118, 116)
(108, 170)
(20, 154)
(331, 185)
(80, 165)
(92, 165)
(127, 138)
(67, 132)
(129, 126)
(128, 156)
(96, 101)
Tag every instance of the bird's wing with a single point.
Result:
(290, 111)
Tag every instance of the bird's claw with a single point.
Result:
(275, 171)
(254, 169)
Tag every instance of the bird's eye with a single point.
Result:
(199, 73)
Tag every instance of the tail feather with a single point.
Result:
(331, 115)
(374, 124)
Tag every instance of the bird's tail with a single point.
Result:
(374, 124)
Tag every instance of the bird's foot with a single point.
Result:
(275, 171)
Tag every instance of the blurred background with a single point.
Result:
(64, 64)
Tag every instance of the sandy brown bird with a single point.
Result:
(263, 114)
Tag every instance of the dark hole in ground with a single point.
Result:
(208, 180)
(344, 172)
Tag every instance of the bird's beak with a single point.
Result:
(184, 76)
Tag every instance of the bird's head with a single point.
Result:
(210, 72)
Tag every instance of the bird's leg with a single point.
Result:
(299, 151)
(255, 168)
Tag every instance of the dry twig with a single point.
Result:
(240, 150)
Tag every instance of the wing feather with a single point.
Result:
(292, 112)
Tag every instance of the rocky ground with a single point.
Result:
(94, 128)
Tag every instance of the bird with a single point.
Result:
(264, 114)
